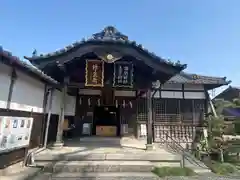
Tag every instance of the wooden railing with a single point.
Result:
(182, 133)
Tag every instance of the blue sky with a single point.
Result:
(203, 34)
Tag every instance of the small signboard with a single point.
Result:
(94, 73)
(123, 74)
(86, 129)
(15, 132)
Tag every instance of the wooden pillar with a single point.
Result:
(13, 80)
(49, 104)
(59, 138)
(149, 145)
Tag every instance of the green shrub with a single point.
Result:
(173, 171)
(223, 168)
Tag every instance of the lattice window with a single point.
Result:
(167, 110)
(187, 110)
(159, 111)
(199, 111)
(142, 109)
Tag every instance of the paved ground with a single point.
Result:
(76, 148)
(129, 176)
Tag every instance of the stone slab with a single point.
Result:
(102, 166)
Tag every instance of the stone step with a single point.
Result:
(99, 176)
(99, 166)
(157, 157)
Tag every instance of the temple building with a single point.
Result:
(112, 86)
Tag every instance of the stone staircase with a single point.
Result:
(105, 156)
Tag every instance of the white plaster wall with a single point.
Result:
(28, 94)
(194, 95)
(5, 79)
(56, 101)
(70, 104)
(171, 86)
(172, 94)
(193, 87)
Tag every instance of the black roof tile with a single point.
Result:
(13, 59)
(198, 79)
(109, 34)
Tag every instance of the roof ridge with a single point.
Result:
(108, 34)
(202, 76)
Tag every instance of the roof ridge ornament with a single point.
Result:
(34, 53)
(109, 33)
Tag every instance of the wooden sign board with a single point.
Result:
(94, 73)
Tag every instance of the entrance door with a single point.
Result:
(106, 121)
(108, 96)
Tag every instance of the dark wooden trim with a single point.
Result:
(12, 83)
(62, 111)
(180, 90)
(77, 102)
(45, 101)
(149, 119)
(125, 50)
(206, 103)
(48, 117)
(183, 91)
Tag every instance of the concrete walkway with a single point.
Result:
(124, 150)
(18, 172)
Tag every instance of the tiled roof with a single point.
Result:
(109, 34)
(198, 79)
(13, 59)
(234, 112)
(235, 87)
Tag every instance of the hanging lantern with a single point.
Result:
(124, 104)
(116, 103)
(130, 104)
(89, 101)
(99, 102)
(80, 101)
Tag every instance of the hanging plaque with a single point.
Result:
(94, 73)
(123, 74)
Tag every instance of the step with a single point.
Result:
(99, 176)
(99, 166)
(160, 157)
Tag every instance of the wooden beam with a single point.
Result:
(59, 138)
(149, 120)
(10, 92)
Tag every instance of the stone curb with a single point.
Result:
(25, 175)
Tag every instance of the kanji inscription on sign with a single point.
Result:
(123, 74)
(94, 73)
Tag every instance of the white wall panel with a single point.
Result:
(171, 86)
(5, 79)
(172, 94)
(28, 94)
(70, 104)
(194, 95)
(193, 87)
(56, 102)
